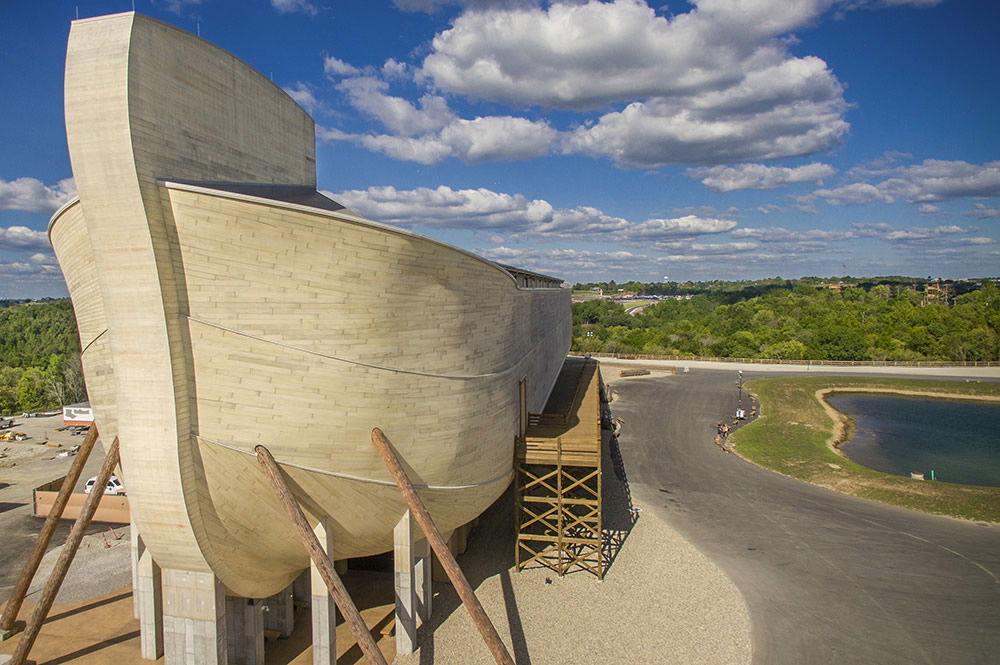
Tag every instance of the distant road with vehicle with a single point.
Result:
(827, 578)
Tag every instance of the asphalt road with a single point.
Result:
(827, 578)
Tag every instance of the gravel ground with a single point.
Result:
(101, 565)
(661, 601)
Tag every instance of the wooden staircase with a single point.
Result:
(558, 493)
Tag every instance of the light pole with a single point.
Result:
(739, 402)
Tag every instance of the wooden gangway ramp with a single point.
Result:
(558, 492)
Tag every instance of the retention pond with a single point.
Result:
(958, 440)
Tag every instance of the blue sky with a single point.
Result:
(712, 139)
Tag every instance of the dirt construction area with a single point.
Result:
(24, 465)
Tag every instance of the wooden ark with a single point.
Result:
(224, 303)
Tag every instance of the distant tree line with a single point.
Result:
(39, 356)
(734, 291)
(781, 320)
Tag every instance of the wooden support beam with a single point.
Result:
(55, 580)
(440, 547)
(320, 558)
(13, 606)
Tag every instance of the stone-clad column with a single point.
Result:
(280, 614)
(194, 618)
(245, 630)
(148, 600)
(324, 610)
(133, 536)
(422, 576)
(404, 564)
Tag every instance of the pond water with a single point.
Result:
(958, 440)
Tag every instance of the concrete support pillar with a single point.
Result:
(147, 597)
(422, 578)
(404, 569)
(302, 589)
(457, 541)
(280, 614)
(245, 630)
(324, 610)
(133, 537)
(194, 618)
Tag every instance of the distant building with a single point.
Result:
(938, 291)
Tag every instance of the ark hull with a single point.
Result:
(223, 303)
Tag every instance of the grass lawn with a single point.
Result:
(797, 433)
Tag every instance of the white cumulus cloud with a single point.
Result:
(304, 97)
(930, 181)
(662, 132)
(689, 225)
(943, 180)
(289, 6)
(21, 237)
(712, 85)
(982, 211)
(400, 116)
(498, 138)
(492, 138)
(447, 207)
(564, 262)
(33, 195)
(854, 194)
(483, 209)
(758, 176)
(336, 67)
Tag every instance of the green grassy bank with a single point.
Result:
(796, 435)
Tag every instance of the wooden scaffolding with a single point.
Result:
(558, 492)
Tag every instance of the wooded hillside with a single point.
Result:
(799, 322)
(39, 357)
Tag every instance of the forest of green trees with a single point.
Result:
(781, 320)
(39, 357)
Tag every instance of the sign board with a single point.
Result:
(78, 414)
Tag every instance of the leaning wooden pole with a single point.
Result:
(69, 550)
(444, 555)
(320, 558)
(9, 618)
